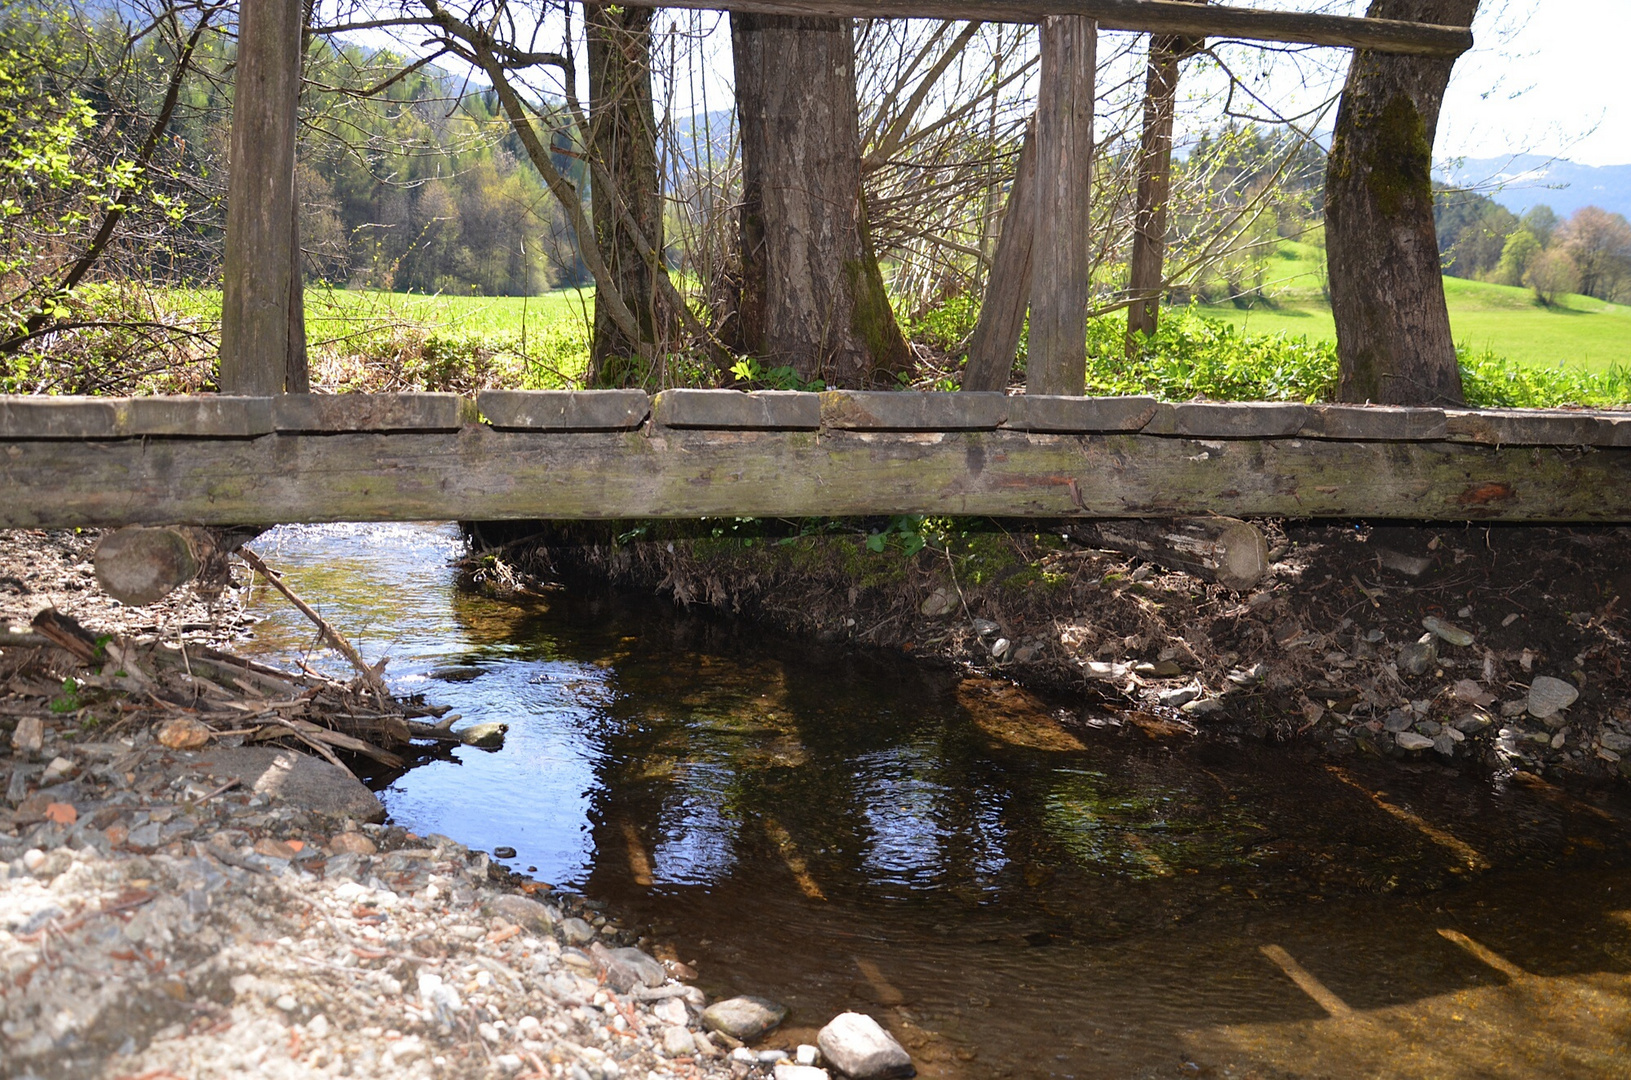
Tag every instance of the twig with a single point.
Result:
(346, 649)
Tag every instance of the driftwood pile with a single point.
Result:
(194, 694)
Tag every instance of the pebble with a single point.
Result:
(671, 1011)
(351, 843)
(28, 738)
(1418, 656)
(185, 733)
(857, 1046)
(1548, 695)
(785, 1071)
(1447, 631)
(287, 1002)
(678, 1042)
(743, 1018)
(33, 859)
(1397, 720)
(1410, 740)
(60, 769)
(806, 1054)
(1178, 697)
(938, 603)
(525, 912)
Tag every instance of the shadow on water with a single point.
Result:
(1013, 896)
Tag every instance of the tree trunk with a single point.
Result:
(1387, 289)
(623, 140)
(813, 297)
(1147, 277)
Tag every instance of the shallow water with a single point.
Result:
(1011, 896)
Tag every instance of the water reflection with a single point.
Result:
(1012, 896)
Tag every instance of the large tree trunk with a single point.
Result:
(1387, 289)
(623, 142)
(812, 295)
(1147, 277)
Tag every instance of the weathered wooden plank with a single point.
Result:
(1375, 422)
(1154, 16)
(565, 410)
(891, 410)
(62, 417)
(1059, 413)
(730, 410)
(1238, 419)
(994, 346)
(479, 473)
(258, 266)
(202, 416)
(317, 413)
(1525, 427)
(1061, 254)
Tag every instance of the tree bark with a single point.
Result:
(1387, 288)
(255, 315)
(1147, 276)
(813, 297)
(627, 189)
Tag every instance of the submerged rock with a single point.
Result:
(858, 1046)
(485, 736)
(743, 1018)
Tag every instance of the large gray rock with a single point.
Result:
(286, 777)
(744, 1018)
(858, 1046)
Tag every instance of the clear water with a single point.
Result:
(1012, 897)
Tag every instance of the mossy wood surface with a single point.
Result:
(480, 473)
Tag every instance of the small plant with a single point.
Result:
(68, 700)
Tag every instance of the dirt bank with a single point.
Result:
(1492, 648)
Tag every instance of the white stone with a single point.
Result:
(678, 1042)
(1548, 695)
(1411, 740)
(806, 1054)
(784, 1071)
(857, 1046)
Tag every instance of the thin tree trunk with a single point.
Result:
(1387, 289)
(623, 139)
(813, 296)
(1147, 272)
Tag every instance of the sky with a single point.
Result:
(1546, 77)
(1554, 83)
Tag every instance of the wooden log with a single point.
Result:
(1062, 250)
(1229, 551)
(255, 304)
(139, 565)
(1151, 16)
(480, 474)
(995, 344)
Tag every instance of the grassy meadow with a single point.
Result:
(1578, 333)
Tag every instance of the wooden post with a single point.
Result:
(255, 305)
(1064, 170)
(995, 343)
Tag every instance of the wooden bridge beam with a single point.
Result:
(1152, 16)
(693, 454)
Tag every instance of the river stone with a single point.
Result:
(786, 1071)
(1418, 656)
(575, 931)
(1548, 695)
(743, 1018)
(627, 968)
(1446, 632)
(487, 736)
(1397, 720)
(857, 1046)
(524, 912)
(1614, 741)
(1410, 740)
(285, 777)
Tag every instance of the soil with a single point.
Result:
(1331, 653)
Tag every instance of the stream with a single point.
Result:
(838, 830)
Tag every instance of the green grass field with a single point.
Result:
(1579, 333)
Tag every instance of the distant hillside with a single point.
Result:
(1525, 180)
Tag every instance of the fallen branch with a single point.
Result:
(370, 676)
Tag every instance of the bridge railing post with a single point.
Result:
(259, 300)
(1064, 170)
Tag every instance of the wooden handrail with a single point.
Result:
(1154, 16)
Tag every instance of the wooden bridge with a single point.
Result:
(707, 453)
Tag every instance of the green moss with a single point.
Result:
(1400, 158)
